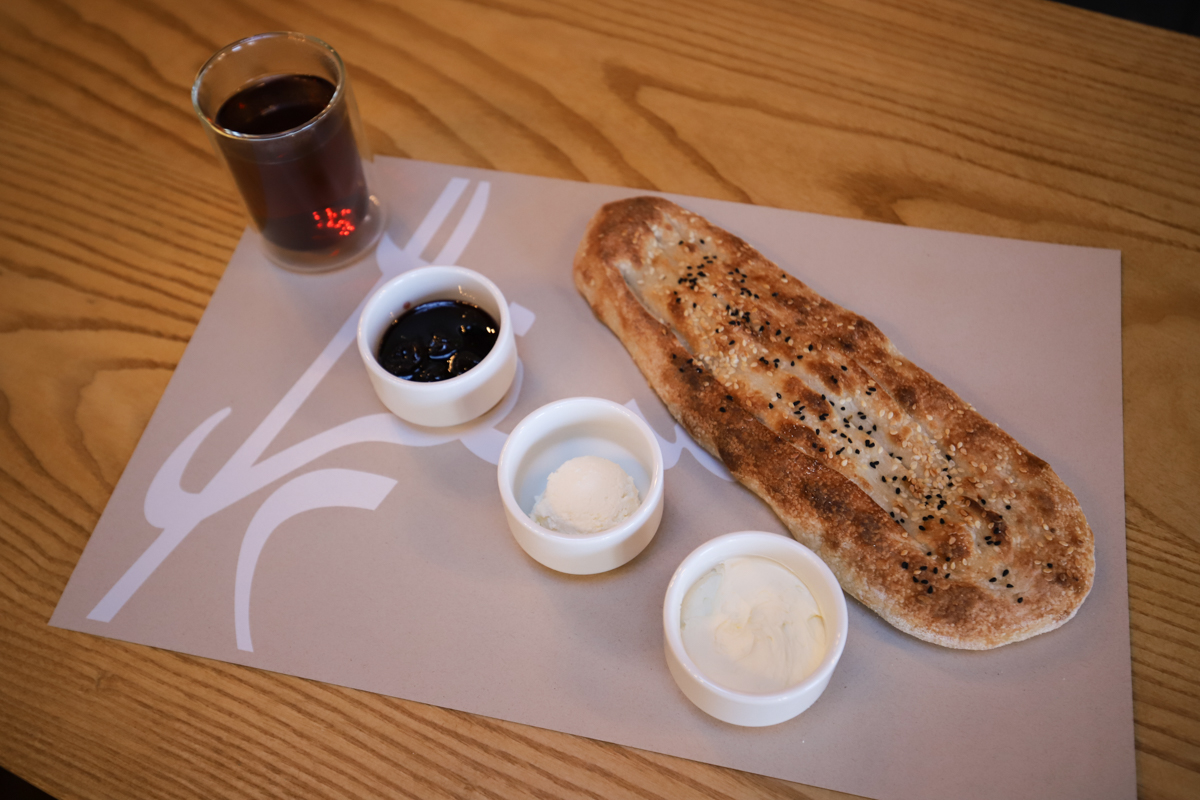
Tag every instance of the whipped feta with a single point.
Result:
(751, 625)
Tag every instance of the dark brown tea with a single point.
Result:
(306, 192)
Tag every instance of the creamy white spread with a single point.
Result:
(751, 625)
(587, 494)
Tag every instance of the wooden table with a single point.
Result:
(1021, 119)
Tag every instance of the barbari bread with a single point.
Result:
(928, 513)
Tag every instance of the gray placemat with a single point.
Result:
(274, 515)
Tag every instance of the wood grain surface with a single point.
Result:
(1023, 119)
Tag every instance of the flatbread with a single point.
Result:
(928, 513)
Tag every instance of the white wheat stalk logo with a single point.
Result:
(178, 512)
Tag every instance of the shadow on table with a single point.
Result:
(13, 788)
(1175, 15)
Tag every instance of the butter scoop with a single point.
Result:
(587, 494)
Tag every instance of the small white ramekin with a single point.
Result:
(456, 400)
(748, 708)
(556, 433)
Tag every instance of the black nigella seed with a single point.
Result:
(991, 580)
(1008, 585)
(923, 568)
(904, 564)
(929, 590)
(897, 491)
(1020, 599)
(1004, 574)
(722, 409)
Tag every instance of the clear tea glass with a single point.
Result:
(280, 114)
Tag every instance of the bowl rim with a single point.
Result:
(521, 438)
(492, 361)
(750, 539)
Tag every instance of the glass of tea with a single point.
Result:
(280, 114)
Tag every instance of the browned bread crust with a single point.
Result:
(928, 513)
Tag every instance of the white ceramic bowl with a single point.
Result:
(458, 399)
(748, 708)
(556, 433)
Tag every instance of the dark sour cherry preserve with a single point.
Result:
(437, 340)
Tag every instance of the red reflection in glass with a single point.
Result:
(339, 221)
